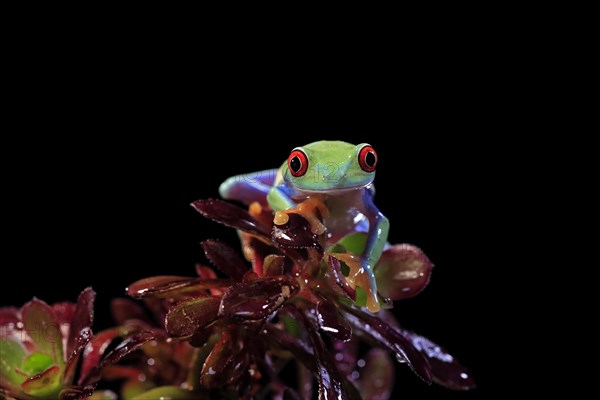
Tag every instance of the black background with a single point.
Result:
(109, 136)
(109, 211)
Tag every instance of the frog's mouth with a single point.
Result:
(334, 190)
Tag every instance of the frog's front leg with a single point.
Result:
(278, 198)
(377, 236)
(248, 188)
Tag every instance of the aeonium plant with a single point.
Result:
(50, 351)
(295, 309)
(281, 320)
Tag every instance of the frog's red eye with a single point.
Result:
(367, 158)
(298, 163)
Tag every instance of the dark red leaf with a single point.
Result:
(377, 376)
(127, 346)
(296, 233)
(294, 345)
(186, 318)
(331, 322)
(77, 392)
(94, 351)
(259, 250)
(200, 337)
(231, 216)
(258, 298)
(403, 271)
(331, 382)
(386, 336)
(167, 286)
(225, 258)
(83, 317)
(273, 265)
(81, 341)
(446, 369)
(124, 310)
(64, 312)
(250, 276)
(226, 363)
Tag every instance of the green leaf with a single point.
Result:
(361, 297)
(354, 242)
(45, 385)
(11, 358)
(37, 363)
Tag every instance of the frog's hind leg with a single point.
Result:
(248, 188)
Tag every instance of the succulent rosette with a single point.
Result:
(294, 311)
(50, 352)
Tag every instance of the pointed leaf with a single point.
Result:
(167, 286)
(446, 369)
(186, 318)
(231, 216)
(226, 363)
(94, 350)
(83, 317)
(331, 382)
(85, 335)
(127, 346)
(225, 258)
(295, 233)
(45, 384)
(403, 271)
(386, 336)
(377, 377)
(259, 298)
(331, 322)
(42, 326)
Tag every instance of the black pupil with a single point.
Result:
(370, 159)
(295, 164)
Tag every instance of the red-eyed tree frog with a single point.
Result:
(341, 175)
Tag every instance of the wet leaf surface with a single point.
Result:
(258, 298)
(186, 318)
(225, 258)
(446, 369)
(386, 336)
(231, 216)
(402, 272)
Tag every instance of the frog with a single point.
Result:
(339, 174)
